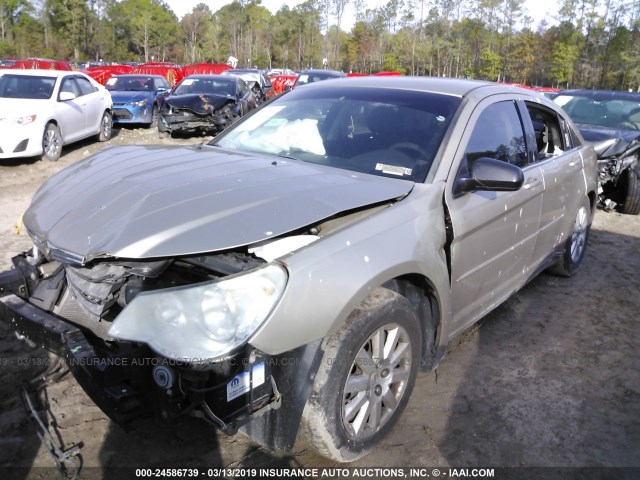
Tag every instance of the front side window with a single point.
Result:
(550, 140)
(498, 134)
(85, 86)
(393, 133)
(69, 86)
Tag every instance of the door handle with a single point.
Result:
(532, 182)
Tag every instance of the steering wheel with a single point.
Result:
(411, 149)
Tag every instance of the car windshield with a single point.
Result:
(621, 114)
(387, 132)
(219, 86)
(133, 84)
(26, 86)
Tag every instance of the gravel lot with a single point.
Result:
(549, 379)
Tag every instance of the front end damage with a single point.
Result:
(618, 168)
(202, 113)
(69, 310)
(166, 295)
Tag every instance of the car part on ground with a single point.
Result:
(205, 104)
(610, 120)
(294, 274)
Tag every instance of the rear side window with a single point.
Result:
(498, 134)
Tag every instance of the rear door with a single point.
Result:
(494, 233)
(562, 171)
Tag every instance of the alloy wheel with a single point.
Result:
(376, 381)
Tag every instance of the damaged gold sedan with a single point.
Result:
(293, 275)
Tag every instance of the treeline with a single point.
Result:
(592, 43)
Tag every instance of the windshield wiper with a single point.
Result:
(289, 157)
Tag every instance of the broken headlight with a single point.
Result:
(203, 322)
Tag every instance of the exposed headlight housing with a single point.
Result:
(203, 322)
(19, 121)
(140, 103)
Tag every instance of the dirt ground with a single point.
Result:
(549, 379)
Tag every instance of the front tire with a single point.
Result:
(106, 127)
(51, 143)
(366, 376)
(576, 245)
(631, 192)
(154, 117)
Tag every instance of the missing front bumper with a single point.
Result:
(130, 381)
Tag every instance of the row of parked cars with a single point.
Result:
(52, 108)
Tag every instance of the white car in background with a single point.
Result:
(42, 110)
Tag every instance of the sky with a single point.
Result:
(537, 9)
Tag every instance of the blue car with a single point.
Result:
(137, 98)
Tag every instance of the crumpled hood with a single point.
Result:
(157, 201)
(609, 142)
(125, 96)
(202, 104)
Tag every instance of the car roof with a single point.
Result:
(320, 70)
(447, 86)
(205, 76)
(602, 94)
(141, 75)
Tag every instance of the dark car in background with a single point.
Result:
(257, 80)
(205, 104)
(137, 98)
(610, 120)
(311, 76)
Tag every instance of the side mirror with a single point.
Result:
(66, 96)
(491, 175)
(161, 90)
(287, 88)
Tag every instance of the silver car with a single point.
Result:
(295, 274)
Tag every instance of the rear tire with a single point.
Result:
(630, 192)
(51, 143)
(576, 245)
(366, 376)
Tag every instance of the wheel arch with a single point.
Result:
(593, 201)
(422, 295)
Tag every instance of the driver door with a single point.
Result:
(494, 233)
(70, 113)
